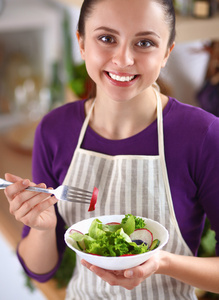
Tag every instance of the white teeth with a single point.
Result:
(121, 78)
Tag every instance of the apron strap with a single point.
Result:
(164, 167)
(84, 126)
(162, 155)
(161, 150)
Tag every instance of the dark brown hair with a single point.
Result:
(89, 5)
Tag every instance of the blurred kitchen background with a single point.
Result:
(40, 69)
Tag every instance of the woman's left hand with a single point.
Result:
(188, 269)
(129, 278)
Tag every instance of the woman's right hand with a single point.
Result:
(35, 210)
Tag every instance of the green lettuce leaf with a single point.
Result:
(128, 224)
(96, 229)
(111, 239)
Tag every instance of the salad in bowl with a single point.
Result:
(116, 242)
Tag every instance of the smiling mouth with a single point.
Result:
(121, 78)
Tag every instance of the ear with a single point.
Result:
(169, 50)
(81, 45)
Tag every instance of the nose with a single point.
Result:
(123, 56)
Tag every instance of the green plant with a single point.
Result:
(208, 242)
(29, 283)
(76, 75)
(207, 249)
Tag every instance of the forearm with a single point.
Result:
(39, 251)
(200, 272)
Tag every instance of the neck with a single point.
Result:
(119, 120)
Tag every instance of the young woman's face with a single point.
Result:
(125, 46)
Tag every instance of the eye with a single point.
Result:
(145, 43)
(107, 39)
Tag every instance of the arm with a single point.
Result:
(202, 273)
(50, 167)
(38, 249)
(41, 260)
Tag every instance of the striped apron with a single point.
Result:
(127, 184)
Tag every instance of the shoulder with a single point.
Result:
(191, 136)
(58, 125)
(65, 112)
(65, 117)
(190, 119)
(188, 111)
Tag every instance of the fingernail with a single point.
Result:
(25, 182)
(42, 185)
(129, 273)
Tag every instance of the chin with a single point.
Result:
(120, 99)
(120, 95)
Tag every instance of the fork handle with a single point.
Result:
(5, 183)
(40, 190)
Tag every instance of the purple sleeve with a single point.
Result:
(42, 173)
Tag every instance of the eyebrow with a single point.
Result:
(147, 33)
(141, 33)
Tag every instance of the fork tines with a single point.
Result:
(79, 195)
(79, 190)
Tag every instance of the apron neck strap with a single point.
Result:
(85, 124)
(159, 124)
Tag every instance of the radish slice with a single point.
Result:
(142, 234)
(113, 223)
(93, 200)
(74, 230)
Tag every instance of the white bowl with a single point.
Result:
(121, 262)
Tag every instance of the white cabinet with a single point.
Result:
(30, 43)
(32, 27)
(191, 29)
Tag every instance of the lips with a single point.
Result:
(121, 79)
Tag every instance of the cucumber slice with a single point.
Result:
(154, 244)
(81, 245)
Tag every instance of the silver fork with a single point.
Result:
(63, 192)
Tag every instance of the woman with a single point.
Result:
(117, 142)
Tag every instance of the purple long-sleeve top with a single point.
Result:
(191, 139)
